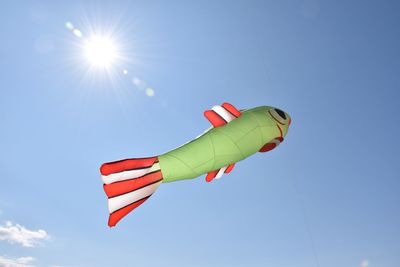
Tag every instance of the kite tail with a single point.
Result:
(128, 183)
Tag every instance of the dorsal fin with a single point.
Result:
(221, 115)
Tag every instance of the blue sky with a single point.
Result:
(328, 196)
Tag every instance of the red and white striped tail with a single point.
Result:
(128, 183)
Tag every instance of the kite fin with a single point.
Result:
(221, 115)
(271, 145)
(128, 183)
(230, 168)
(218, 173)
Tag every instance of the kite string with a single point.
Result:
(306, 221)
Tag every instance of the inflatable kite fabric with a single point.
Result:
(234, 136)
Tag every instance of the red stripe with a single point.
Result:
(122, 187)
(211, 175)
(214, 118)
(231, 109)
(126, 164)
(230, 168)
(116, 216)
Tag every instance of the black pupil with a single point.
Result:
(281, 113)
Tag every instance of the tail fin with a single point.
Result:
(128, 183)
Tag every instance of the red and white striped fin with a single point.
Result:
(218, 173)
(230, 168)
(128, 183)
(271, 145)
(221, 115)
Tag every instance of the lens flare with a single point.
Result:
(77, 33)
(149, 92)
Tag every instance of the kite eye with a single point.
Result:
(278, 115)
(281, 113)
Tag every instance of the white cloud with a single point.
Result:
(20, 235)
(20, 262)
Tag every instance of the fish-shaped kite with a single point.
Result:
(234, 135)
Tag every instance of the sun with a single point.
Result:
(101, 54)
(100, 51)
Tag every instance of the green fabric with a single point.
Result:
(220, 147)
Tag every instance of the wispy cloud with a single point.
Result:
(15, 233)
(19, 262)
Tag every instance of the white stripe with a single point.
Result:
(220, 172)
(125, 175)
(226, 115)
(121, 201)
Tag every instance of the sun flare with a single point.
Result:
(100, 51)
(100, 54)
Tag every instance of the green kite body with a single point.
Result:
(221, 146)
(235, 135)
